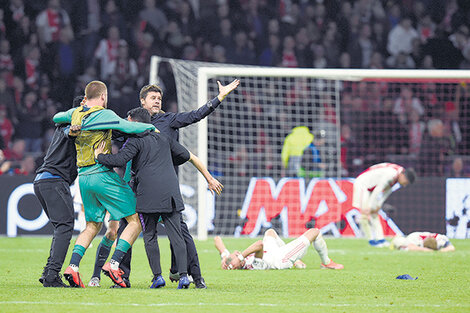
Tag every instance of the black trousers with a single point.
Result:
(172, 224)
(56, 201)
(193, 260)
(194, 268)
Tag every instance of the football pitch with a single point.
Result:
(367, 284)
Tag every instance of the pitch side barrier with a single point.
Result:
(290, 205)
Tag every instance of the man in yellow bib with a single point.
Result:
(101, 188)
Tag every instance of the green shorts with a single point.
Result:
(106, 191)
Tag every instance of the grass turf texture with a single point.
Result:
(367, 284)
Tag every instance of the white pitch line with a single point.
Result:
(447, 305)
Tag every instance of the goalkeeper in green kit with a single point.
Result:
(101, 188)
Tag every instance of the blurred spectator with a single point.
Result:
(6, 128)
(16, 152)
(107, 52)
(444, 54)
(457, 168)
(416, 131)
(405, 104)
(434, 149)
(6, 61)
(31, 68)
(7, 100)
(112, 16)
(289, 57)
(30, 123)
(155, 17)
(243, 53)
(313, 164)
(271, 55)
(293, 149)
(50, 22)
(361, 48)
(401, 37)
(387, 134)
(86, 22)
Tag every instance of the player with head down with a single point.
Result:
(273, 253)
(371, 188)
(422, 241)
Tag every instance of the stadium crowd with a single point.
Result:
(50, 49)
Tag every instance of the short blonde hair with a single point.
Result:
(430, 243)
(95, 89)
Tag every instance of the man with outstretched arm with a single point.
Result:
(169, 123)
(101, 188)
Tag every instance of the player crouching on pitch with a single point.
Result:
(422, 241)
(273, 253)
(371, 188)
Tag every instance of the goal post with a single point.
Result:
(241, 143)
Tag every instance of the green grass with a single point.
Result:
(367, 284)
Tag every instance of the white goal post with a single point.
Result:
(196, 80)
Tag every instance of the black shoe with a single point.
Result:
(200, 283)
(125, 280)
(54, 280)
(43, 275)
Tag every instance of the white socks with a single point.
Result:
(377, 227)
(365, 226)
(74, 267)
(81, 220)
(320, 245)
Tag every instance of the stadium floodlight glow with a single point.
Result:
(244, 136)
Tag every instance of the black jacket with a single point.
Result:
(61, 156)
(168, 123)
(156, 184)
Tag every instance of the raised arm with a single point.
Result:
(213, 184)
(183, 119)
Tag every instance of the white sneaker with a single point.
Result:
(94, 282)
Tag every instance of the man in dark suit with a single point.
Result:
(153, 156)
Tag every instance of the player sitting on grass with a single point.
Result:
(371, 188)
(422, 241)
(273, 253)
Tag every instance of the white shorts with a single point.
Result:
(285, 256)
(360, 197)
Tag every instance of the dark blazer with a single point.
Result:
(156, 184)
(168, 123)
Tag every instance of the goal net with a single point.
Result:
(288, 143)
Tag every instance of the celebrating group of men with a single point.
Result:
(83, 139)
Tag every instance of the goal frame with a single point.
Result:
(205, 73)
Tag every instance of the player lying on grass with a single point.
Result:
(371, 188)
(273, 253)
(422, 241)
